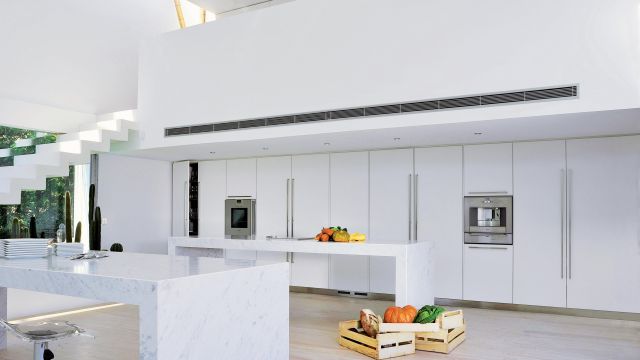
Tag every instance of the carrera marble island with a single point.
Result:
(189, 307)
(414, 273)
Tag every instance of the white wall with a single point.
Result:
(134, 196)
(310, 55)
(77, 55)
(26, 115)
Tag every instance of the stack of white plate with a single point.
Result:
(23, 248)
(69, 249)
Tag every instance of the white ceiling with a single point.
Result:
(616, 122)
(77, 54)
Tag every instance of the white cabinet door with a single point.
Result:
(241, 177)
(180, 205)
(603, 216)
(310, 212)
(350, 209)
(488, 169)
(538, 223)
(390, 206)
(438, 172)
(212, 193)
(488, 271)
(272, 207)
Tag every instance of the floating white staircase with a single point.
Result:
(30, 172)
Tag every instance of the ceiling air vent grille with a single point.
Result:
(505, 98)
(382, 110)
(280, 120)
(319, 116)
(252, 123)
(420, 106)
(347, 113)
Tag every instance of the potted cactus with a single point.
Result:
(33, 233)
(95, 221)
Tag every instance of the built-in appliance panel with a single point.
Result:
(240, 218)
(488, 214)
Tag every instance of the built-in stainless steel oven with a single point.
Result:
(240, 218)
(488, 220)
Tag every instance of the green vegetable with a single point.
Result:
(428, 314)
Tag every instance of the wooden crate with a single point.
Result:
(441, 341)
(384, 346)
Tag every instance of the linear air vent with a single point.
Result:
(419, 106)
(382, 110)
(503, 98)
(201, 129)
(225, 126)
(280, 120)
(252, 123)
(347, 113)
(319, 116)
(459, 102)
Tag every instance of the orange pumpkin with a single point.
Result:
(396, 314)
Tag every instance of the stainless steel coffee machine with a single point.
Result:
(488, 220)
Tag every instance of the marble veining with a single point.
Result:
(188, 306)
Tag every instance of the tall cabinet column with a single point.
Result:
(390, 210)
(438, 194)
(350, 208)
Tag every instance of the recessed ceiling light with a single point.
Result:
(265, 148)
(212, 152)
(477, 133)
(327, 144)
(396, 139)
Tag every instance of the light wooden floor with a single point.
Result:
(491, 334)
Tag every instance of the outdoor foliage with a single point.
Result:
(46, 205)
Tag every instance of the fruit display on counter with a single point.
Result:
(395, 314)
(339, 234)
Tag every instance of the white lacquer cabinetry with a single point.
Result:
(212, 176)
(539, 223)
(488, 273)
(241, 178)
(438, 173)
(309, 212)
(390, 209)
(488, 169)
(273, 201)
(350, 208)
(603, 224)
(180, 199)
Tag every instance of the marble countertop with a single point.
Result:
(290, 245)
(130, 266)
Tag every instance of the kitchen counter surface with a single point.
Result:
(292, 245)
(413, 262)
(187, 305)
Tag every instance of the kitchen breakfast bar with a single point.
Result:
(189, 308)
(413, 262)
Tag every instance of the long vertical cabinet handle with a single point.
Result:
(410, 198)
(562, 225)
(415, 208)
(293, 191)
(186, 208)
(288, 189)
(569, 216)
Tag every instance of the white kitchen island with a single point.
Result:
(189, 307)
(413, 262)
